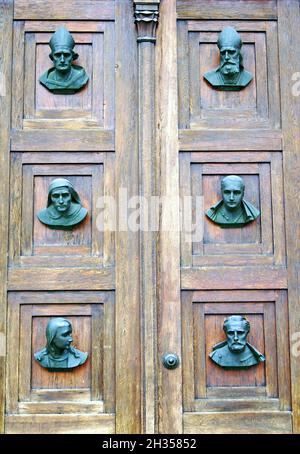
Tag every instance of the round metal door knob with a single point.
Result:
(171, 360)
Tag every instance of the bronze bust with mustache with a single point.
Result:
(236, 352)
(230, 75)
(59, 355)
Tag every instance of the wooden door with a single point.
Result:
(88, 275)
(249, 271)
(147, 124)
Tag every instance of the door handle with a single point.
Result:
(170, 360)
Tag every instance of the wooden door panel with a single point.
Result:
(73, 274)
(34, 107)
(260, 242)
(207, 387)
(91, 243)
(256, 106)
(89, 388)
(228, 271)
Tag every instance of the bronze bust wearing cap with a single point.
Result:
(64, 77)
(64, 209)
(236, 352)
(230, 75)
(59, 355)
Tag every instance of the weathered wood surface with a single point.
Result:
(169, 323)
(6, 11)
(220, 9)
(60, 424)
(61, 279)
(61, 10)
(222, 278)
(288, 26)
(254, 422)
(64, 140)
(148, 175)
(128, 359)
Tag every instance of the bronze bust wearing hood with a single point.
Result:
(64, 209)
(64, 77)
(59, 355)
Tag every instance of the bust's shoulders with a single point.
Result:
(245, 78)
(43, 215)
(76, 357)
(213, 77)
(42, 357)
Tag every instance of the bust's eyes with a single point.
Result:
(65, 54)
(229, 52)
(226, 191)
(64, 194)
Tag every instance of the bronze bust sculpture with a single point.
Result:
(64, 209)
(230, 75)
(236, 352)
(64, 77)
(59, 355)
(232, 210)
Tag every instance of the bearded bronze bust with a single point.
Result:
(64, 209)
(59, 355)
(64, 77)
(236, 352)
(230, 75)
(233, 210)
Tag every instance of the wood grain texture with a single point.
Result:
(60, 424)
(148, 174)
(222, 278)
(6, 11)
(128, 353)
(61, 279)
(206, 386)
(169, 325)
(64, 140)
(288, 24)
(226, 9)
(61, 10)
(252, 422)
(229, 140)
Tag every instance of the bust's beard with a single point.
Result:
(234, 68)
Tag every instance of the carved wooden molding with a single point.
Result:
(146, 19)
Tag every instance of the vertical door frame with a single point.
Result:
(289, 57)
(128, 350)
(6, 13)
(169, 306)
(146, 14)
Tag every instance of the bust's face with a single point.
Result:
(61, 199)
(230, 61)
(232, 193)
(63, 337)
(236, 336)
(62, 60)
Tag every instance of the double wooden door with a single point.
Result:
(146, 144)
